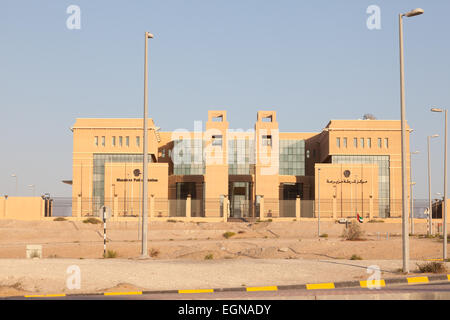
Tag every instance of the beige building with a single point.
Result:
(237, 173)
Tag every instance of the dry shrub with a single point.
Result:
(353, 232)
(432, 267)
(92, 220)
(154, 253)
(228, 234)
(209, 256)
(110, 254)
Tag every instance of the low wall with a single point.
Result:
(22, 208)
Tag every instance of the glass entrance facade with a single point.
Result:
(240, 199)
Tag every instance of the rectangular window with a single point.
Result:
(217, 140)
(103, 141)
(338, 142)
(362, 142)
(138, 141)
(96, 140)
(355, 142)
(267, 141)
(163, 153)
(345, 142)
(379, 142)
(369, 143)
(113, 141)
(120, 141)
(127, 141)
(386, 143)
(292, 158)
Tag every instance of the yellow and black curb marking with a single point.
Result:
(309, 286)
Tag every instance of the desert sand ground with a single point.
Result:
(196, 255)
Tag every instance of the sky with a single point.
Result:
(311, 61)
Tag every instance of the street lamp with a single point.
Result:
(144, 251)
(411, 190)
(17, 182)
(33, 187)
(405, 233)
(412, 184)
(444, 218)
(430, 208)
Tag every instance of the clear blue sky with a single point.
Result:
(311, 61)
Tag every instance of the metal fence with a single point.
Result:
(272, 208)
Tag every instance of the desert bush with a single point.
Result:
(228, 234)
(209, 256)
(376, 221)
(92, 220)
(110, 254)
(432, 267)
(353, 232)
(324, 235)
(60, 219)
(34, 254)
(355, 257)
(154, 253)
(171, 220)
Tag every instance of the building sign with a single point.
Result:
(135, 180)
(360, 181)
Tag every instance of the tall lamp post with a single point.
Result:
(32, 186)
(17, 183)
(144, 251)
(405, 233)
(444, 218)
(411, 190)
(430, 208)
(412, 184)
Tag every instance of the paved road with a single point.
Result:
(437, 290)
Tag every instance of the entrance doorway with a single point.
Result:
(240, 199)
(290, 193)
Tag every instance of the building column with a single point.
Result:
(79, 206)
(371, 208)
(334, 208)
(261, 208)
(225, 207)
(42, 201)
(115, 207)
(297, 208)
(188, 207)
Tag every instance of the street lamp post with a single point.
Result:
(444, 218)
(17, 183)
(144, 251)
(411, 190)
(430, 208)
(405, 233)
(32, 186)
(412, 184)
